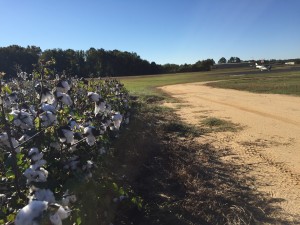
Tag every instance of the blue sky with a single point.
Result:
(163, 31)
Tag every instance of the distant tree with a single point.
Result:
(222, 60)
(16, 56)
(234, 60)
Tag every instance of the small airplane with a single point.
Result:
(263, 68)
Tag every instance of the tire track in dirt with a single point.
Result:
(267, 147)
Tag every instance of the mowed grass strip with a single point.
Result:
(243, 79)
(286, 83)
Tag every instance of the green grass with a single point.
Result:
(146, 85)
(220, 125)
(288, 84)
(264, 82)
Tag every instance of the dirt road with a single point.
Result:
(268, 145)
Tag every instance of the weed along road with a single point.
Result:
(267, 143)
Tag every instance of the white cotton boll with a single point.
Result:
(63, 213)
(32, 111)
(63, 86)
(73, 125)
(2, 199)
(39, 164)
(30, 212)
(29, 173)
(37, 157)
(48, 107)
(94, 96)
(117, 119)
(15, 113)
(69, 136)
(64, 98)
(47, 97)
(90, 140)
(14, 142)
(3, 136)
(65, 201)
(99, 107)
(33, 151)
(26, 118)
(55, 219)
(89, 164)
(44, 195)
(48, 119)
(41, 175)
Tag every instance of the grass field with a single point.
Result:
(288, 84)
(278, 81)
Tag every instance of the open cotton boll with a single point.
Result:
(65, 134)
(72, 123)
(64, 98)
(63, 213)
(99, 107)
(69, 198)
(117, 119)
(3, 137)
(15, 143)
(43, 195)
(33, 151)
(38, 164)
(48, 118)
(37, 157)
(28, 214)
(55, 219)
(26, 118)
(90, 133)
(63, 86)
(48, 107)
(94, 96)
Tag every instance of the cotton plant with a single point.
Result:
(36, 172)
(36, 211)
(41, 200)
(72, 139)
(5, 141)
(22, 119)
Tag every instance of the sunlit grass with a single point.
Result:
(239, 79)
(288, 84)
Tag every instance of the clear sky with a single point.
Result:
(163, 31)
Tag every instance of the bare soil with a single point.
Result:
(186, 176)
(266, 149)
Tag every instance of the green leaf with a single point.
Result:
(10, 174)
(115, 186)
(10, 117)
(78, 220)
(11, 217)
(6, 89)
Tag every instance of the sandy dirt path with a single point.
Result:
(268, 146)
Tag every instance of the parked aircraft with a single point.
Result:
(263, 67)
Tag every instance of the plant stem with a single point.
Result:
(11, 149)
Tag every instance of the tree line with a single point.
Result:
(90, 63)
